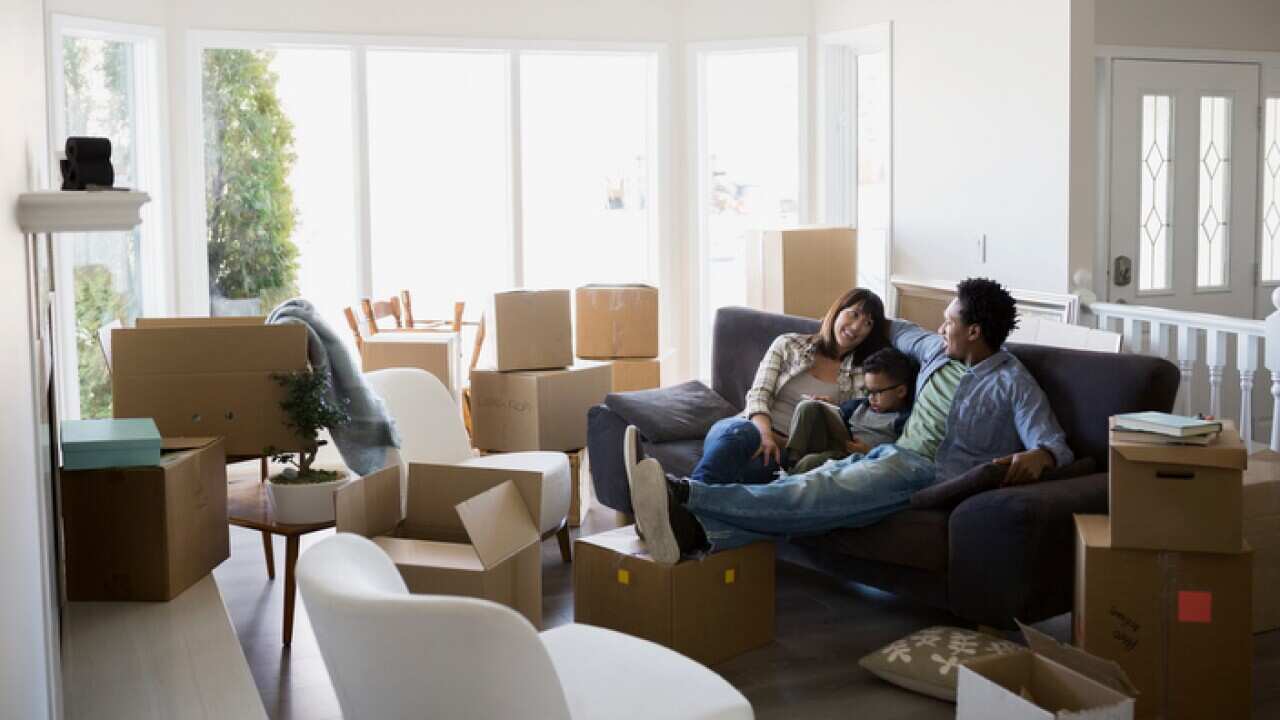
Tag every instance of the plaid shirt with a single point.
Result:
(788, 356)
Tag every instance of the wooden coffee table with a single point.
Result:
(249, 507)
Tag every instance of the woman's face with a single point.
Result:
(851, 327)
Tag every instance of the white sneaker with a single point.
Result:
(653, 512)
(630, 441)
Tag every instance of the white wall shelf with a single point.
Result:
(50, 211)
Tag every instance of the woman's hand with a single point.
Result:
(768, 449)
(857, 446)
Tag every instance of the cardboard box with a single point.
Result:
(802, 270)
(709, 609)
(169, 322)
(437, 353)
(1178, 623)
(617, 321)
(1262, 532)
(1178, 497)
(528, 330)
(580, 497)
(209, 380)
(115, 442)
(642, 374)
(145, 533)
(465, 530)
(1047, 681)
(537, 409)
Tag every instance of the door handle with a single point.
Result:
(1122, 274)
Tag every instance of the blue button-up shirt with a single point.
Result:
(998, 409)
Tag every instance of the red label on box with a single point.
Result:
(1195, 606)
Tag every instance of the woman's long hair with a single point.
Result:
(872, 307)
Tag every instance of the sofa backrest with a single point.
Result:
(1084, 388)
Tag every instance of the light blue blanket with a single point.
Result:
(365, 440)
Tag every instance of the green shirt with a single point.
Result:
(928, 422)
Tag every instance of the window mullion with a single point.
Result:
(516, 271)
(360, 159)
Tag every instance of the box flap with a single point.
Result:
(1106, 672)
(428, 553)
(1226, 451)
(498, 523)
(163, 322)
(195, 349)
(611, 286)
(171, 444)
(369, 505)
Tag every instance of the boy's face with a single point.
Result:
(883, 394)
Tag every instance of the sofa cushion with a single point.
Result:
(680, 412)
(740, 339)
(914, 538)
(677, 457)
(988, 476)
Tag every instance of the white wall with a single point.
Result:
(24, 650)
(980, 135)
(1217, 25)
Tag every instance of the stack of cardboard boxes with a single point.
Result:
(529, 394)
(801, 270)
(1163, 585)
(619, 323)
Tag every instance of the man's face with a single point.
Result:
(883, 394)
(958, 336)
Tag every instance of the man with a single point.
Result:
(975, 403)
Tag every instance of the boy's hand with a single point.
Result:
(857, 446)
(1026, 466)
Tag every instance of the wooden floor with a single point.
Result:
(811, 671)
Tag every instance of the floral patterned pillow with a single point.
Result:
(927, 661)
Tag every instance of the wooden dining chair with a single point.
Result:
(375, 310)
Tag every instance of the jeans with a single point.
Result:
(726, 455)
(851, 492)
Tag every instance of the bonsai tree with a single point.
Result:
(309, 410)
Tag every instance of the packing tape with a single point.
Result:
(730, 575)
(624, 577)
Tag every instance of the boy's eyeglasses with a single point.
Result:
(873, 393)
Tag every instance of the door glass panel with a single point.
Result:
(1214, 174)
(1154, 257)
(1271, 192)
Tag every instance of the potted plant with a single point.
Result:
(302, 494)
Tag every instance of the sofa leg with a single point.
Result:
(566, 543)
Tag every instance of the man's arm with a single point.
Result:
(911, 339)
(1039, 431)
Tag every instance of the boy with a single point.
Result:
(864, 423)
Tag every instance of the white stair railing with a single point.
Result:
(1179, 336)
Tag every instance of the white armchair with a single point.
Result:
(431, 431)
(392, 655)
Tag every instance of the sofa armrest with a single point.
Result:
(1012, 550)
(605, 429)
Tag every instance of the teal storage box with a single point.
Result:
(121, 442)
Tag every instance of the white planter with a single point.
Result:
(304, 504)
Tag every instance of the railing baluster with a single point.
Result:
(1133, 334)
(1247, 364)
(1271, 350)
(1216, 358)
(1188, 355)
(1159, 343)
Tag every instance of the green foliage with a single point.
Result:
(97, 303)
(307, 405)
(248, 155)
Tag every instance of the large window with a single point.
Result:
(105, 83)
(279, 183)
(750, 164)
(349, 170)
(587, 124)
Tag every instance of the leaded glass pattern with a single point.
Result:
(1271, 191)
(1214, 173)
(1154, 206)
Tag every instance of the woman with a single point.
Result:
(749, 448)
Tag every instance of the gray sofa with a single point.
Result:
(999, 555)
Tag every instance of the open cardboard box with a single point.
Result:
(465, 531)
(1047, 681)
(209, 377)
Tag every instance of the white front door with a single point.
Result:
(1184, 185)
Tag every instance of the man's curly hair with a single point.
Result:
(987, 304)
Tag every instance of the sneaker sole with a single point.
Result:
(629, 442)
(649, 499)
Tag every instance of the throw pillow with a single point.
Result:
(927, 661)
(680, 412)
(988, 476)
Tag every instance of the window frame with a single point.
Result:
(699, 332)
(158, 262)
(195, 251)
